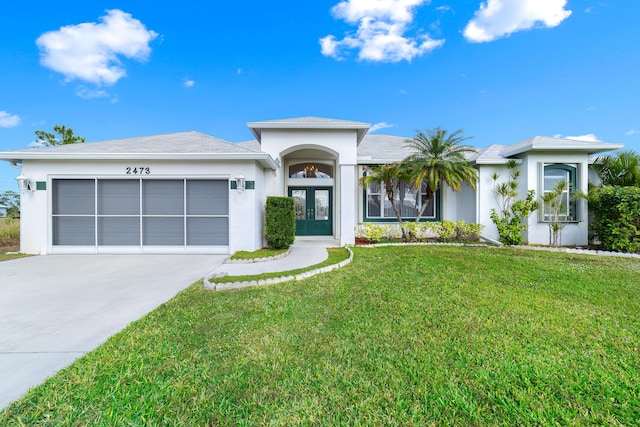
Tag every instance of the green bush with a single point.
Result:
(617, 218)
(280, 222)
(375, 232)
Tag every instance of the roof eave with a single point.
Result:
(594, 148)
(264, 159)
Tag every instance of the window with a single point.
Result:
(311, 170)
(560, 173)
(378, 207)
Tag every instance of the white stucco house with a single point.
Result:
(189, 192)
(3, 211)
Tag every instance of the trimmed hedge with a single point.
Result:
(617, 218)
(280, 222)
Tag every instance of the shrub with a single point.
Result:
(375, 232)
(617, 218)
(280, 222)
(511, 218)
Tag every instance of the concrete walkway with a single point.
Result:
(55, 308)
(304, 253)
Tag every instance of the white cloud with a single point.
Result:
(8, 120)
(188, 83)
(86, 93)
(381, 34)
(378, 126)
(501, 18)
(589, 9)
(590, 137)
(91, 51)
(633, 132)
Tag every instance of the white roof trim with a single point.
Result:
(265, 160)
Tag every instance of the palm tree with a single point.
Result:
(439, 157)
(621, 169)
(390, 176)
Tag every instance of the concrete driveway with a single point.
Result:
(55, 308)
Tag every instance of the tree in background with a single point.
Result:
(64, 136)
(11, 199)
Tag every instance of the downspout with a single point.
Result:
(14, 164)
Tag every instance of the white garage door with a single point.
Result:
(140, 215)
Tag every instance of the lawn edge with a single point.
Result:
(287, 278)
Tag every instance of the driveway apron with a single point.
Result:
(55, 308)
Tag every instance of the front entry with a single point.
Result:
(314, 210)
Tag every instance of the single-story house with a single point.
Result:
(189, 192)
(3, 211)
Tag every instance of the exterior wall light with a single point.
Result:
(26, 185)
(240, 182)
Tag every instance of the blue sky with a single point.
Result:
(502, 70)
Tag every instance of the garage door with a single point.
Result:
(140, 215)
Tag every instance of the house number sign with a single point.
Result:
(138, 170)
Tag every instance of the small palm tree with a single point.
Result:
(554, 205)
(439, 157)
(621, 169)
(390, 176)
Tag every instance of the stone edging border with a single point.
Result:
(237, 285)
(254, 260)
(532, 248)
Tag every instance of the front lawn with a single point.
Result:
(402, 336)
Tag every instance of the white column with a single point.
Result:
(347, 209)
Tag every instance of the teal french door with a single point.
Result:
(314, 210)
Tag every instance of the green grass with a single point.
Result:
(336, 255)
(260, 253)
(402, 336)
(8, 257)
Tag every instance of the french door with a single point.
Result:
(314, 210)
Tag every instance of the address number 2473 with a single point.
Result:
(138, 171)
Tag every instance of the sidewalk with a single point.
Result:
(304, 253)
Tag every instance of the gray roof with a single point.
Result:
(308, 123)
(252, 145)
(181, 145)
(546, 143)
(378, 149)
(490, 155)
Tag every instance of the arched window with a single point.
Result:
(311, 170)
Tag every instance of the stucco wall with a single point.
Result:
(245, 216)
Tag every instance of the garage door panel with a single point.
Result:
(163, 231)
(207, 231)
(119, 231)
(207, 197)
(74, 231)
(118, 197)
(74, 197)
(163, 197)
